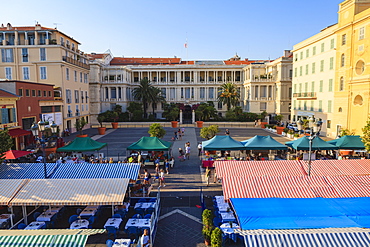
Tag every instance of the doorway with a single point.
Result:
(187, 115)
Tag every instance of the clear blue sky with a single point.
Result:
(148, 28)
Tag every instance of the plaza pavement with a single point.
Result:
(180, 219)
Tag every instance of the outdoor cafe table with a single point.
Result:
(121, 242)
(145, 205)
(54, 208)
(138, 223)
(113, 222)
(227, 216)
(80, 223)
(229, 231)
(4, 218)
(35, 225)
(89, 211)
(46, 216)
(224, 208)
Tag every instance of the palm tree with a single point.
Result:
(156, 97)
(229, 95)
(143, 93)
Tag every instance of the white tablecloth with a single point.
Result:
(78, 224)
(89, 211)
(220, 199)
(113, 222)
(223, 208)
(138, 223)
(54, 208)
(227, 216)
(229, 231)
(35, 225)
(145, 205)
(46, 216)
(121, 242)
(4, 218)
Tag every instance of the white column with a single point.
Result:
(180, 116)
(193, 116)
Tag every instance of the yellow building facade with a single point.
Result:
(352, 71)
(46, 55)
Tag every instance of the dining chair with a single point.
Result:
(149, 210)
(116, 216)
(143, 200)
(147, 216)
(72, 218)
(22, 226)
(132, 230)
(91, 221)
(112, 230)
(217, 221)
(109, 243)
(35, 215)
(152, 199)
(140, 211)
(137, 216)
(78, 211)
(122, 212)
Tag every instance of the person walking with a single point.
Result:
(187, 152)
(208, 174)
(167, 166)
(145, 239)
(199, 148)
(161, 179)
(181, 154)
(227, 132)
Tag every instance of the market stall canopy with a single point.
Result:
(222, 143)
(82, 144)
(302, 213)
(14, 154)
(303, 143)
(71, 192)
(348, 142)
(44, 240)
(263, 143)
(19, 132)
(150, 144)
(9, 187)
(21, 232)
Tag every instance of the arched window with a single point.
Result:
(340, 109)
(360, 67)
(342, 60)
(358, 100)
(341, 84)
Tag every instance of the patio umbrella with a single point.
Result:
(14, 154)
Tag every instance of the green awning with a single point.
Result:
(82, 144)
(348, 142)
(263, 143)
(303, 143)
(44, 241)
(150, 144)
(222, 143)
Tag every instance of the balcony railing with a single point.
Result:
(75, 62)
(311, 95)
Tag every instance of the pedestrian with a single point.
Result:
(145, 239)
(175, 136)
(187, 152)
(156, 177)
(187, 144)
(146, 176)
(161, 179)
(199, 148)
(179, 134)
(181, 154)
(183, 131)
(255, 123)
(167, 166)
(208, 174)
(227, 132)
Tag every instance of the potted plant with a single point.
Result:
(200, 124)
(156, 130)
(207, 219)
(79, 125)
(171, 112)
(290, 134)
(101, 119)
(216, 237)
(115, 117)
(296, 136)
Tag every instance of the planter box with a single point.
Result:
(84, 135)
(174, 124)
(263, 124)
(199, 124)
(101, 130)
(115, 125)
(279, 130)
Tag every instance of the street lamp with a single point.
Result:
(314, 132)
(41, 127)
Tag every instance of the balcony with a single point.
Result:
(75, 62)
(305, 96)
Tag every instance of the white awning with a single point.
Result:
(9, 188)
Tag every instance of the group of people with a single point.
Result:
(179, 134)
(185, 155)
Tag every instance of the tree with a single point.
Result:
(235, 113)
(80, 124)
(136, 111)
(171, 112)
(206, 111)
(229, 95)
(366, 136)
(156, 130)
(279, 117)
(207, 219)
(216, 238)
(145, 93)
(156, 97)
(346, 132)
(6, 143)
(209, 132)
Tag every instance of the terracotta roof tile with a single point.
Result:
(32, 28)
(143, 61)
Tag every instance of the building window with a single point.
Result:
(314, 51)
(300, 70)
(295, 72)
(344, 39)
(87, 97)
(211, 93)
(341, 84)
(321, 86)
(8, 73)
(360, 67)
(172, 93)
(77, 100)
(313, 86)
(164, 92)
(26, 73)
(27, 93)
(301, 55)
(342, 60)
(113, 93)
(322, 47)
(263, 106)
(332, 44)
(80, 76)
(38, 93)
(320, 105)
(49, 92)
(330, 85)
(331, 65)
(25, 55)
(42, 54)
(321, 65)
(7, 55)
(43, 73)
(312, 104)
(187, 93)
(340, 109)
(85, 78)
(75, 73)
(68, 96)
(361, 33)
(33, 93)
(328, 124)
(306, 69)
(202, 93)
(313, 68)
(67, 74)
(20, 92)
(82, 96)
(329, 106)
(307, 53)
(44, 92)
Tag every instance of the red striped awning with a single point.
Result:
(19, 132)
(351, 186)
(259, 168)
(351, 167)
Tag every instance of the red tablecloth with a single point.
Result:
(207, 163)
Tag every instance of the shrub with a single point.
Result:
(156, 130)
(209, 132)
(216, 237)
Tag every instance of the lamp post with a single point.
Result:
(314, 132)
(41, 127)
